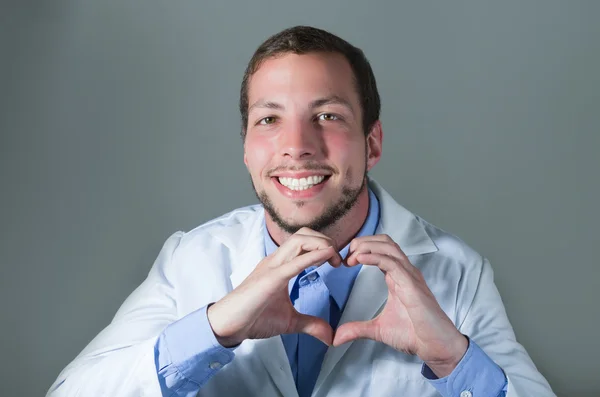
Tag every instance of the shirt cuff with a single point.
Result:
(187, 354)
(475, 375)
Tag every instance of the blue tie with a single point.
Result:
(313, 299)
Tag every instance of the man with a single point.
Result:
(330, 288)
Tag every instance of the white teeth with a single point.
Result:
(302, 183)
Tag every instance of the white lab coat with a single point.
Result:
(200, 267)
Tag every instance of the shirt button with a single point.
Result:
(312, 277)
(218, 365)
(466, 393)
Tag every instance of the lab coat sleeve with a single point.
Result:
(120, 361)
(487, 324)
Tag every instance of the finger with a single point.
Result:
(385, 262)
(354, 330)
(309, 232)
(314, 326)
(381, 244)
(300, 243)
(312, 258)
(402, 274)
(375, 237)
(375, 247)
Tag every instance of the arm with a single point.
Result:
(476, 374)
(147, 350)
(120, 361)
(187, 354)
(487, 324)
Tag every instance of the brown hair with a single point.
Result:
(305, 39)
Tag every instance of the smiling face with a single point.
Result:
(305, 147)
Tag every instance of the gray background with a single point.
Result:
(119, 126)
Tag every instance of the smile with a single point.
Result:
(301, 183)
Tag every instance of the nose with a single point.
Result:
(299, 141)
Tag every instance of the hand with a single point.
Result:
(411, 321)
(260, 306)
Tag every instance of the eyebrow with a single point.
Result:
(261, 103)
(329, 100)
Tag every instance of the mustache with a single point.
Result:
(310, 166)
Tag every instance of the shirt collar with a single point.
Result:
(338, 281)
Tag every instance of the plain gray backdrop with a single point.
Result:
(119, 125)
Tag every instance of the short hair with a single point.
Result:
(303, 40)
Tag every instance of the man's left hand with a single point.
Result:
(412, 321)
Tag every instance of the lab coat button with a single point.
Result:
(218, 365)
(466, 393)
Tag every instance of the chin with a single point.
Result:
(301, 221)
(301, 212)
(316, 213)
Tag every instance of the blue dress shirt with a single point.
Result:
(187, 353)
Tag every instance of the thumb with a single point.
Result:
(314, 326)
(354, 330)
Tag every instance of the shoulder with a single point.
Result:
(207, 249)
(226, 230)
(218, 235)
(232, 221)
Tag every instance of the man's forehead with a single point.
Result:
(312, 77)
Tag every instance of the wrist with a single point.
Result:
(227, 341)
(444, 367)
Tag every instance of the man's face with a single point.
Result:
(305, 147)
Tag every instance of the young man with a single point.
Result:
(329, 288)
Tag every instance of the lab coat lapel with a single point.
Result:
(368, 295)
(273, 355)
(250, 251)
(369, 292)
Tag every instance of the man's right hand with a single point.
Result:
(260, 306)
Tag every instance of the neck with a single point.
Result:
(342, 231)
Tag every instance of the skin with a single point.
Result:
(305, 118)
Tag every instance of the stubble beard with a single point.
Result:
(327, 219)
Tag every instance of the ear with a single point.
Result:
(245, 154)
(374, 145)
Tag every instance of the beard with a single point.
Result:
(330, 215)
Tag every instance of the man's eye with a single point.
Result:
(267, 120)
(327, 117)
